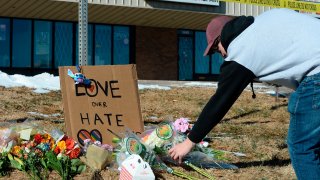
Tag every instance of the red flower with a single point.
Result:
(74, 153)
(64, 138)
(57, 150)
(70, 143)
(37, 138)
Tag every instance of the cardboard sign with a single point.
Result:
(134, 168)
(110, 104)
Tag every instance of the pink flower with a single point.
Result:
(87, 141)
(181, 125)
(97, 143)
(107, 147)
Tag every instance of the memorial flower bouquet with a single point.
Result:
(200, 156)
(182, 127)
(28, 156)
(132, 144)
(64, 158)
(164, 136)
(36, 152)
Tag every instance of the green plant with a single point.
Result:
(4, 165)
(67, 168)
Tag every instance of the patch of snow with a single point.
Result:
(142, 86)
(42, 83)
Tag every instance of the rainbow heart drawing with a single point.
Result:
(94, 135)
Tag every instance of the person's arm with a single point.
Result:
(233, 79)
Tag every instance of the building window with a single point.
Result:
(121, 45)
(42, 44)
(33, 46)
(4, 42)
(21, 43)
(102, 45)
(63, 46)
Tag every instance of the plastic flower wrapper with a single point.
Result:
(8, 139)
(28, 127)
(158, 136)
(201, 156)
(182, 129)
(131, 144)
(97, 155)
(163, 137)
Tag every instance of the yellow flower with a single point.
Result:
(52, 144)
(16, 150)
(47, 136)
(62, 145)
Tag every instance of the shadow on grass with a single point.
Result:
(278, 106)
(240, 115)
(254, 122)
(254, 111)
(272, 162)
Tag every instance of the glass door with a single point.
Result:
(185, 58)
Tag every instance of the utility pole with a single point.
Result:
(83, 32)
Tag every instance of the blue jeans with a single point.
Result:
(304, 128)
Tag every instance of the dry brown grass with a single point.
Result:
(256, 127)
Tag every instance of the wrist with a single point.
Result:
(189, 142)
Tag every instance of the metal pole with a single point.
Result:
(83, 32)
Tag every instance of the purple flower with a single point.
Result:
(86, 143)
(181, 125)
(107, 147)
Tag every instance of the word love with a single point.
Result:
(108, 87)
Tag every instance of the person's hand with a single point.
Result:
(180, 150)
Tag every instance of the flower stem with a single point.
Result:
(183, 175)
(199, 170)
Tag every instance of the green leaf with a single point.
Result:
(81, 168)
(116, 140)
(10, 157)
(54, 163)
(74, 169)
(15, 164)
(158, 150)
(75, 162)
(43, 163)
